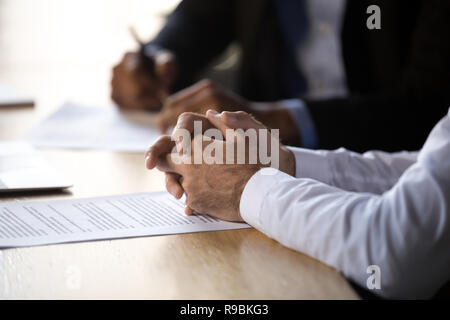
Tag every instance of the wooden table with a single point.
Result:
(242, 264)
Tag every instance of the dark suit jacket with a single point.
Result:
(398, 77)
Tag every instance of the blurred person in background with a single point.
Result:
(312, 68)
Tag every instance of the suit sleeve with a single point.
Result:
(400, 117)
(197, 31)
(374, 171)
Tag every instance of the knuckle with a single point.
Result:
(185, 115)
(242, 114)
(185, 118)
(227, 116)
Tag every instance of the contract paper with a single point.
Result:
(80, 127)
(136, 215)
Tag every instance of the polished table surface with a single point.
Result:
(243, 264)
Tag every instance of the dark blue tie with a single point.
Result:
(293, 19)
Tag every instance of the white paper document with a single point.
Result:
(23, 168)
(10, 96)
(143, 214)
(79, 127)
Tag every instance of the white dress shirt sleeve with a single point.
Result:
(373, 171)
(405, 231)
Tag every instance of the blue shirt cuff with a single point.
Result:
(304, 122)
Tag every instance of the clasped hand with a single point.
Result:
(215, 187)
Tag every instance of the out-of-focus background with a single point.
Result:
(60, 50)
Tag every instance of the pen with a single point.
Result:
(147, 60)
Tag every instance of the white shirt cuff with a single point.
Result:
(254, 194)
(312, 164)
(304, 122)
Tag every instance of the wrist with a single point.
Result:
(287, 161)
(276, 116)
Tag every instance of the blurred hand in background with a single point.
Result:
(206, 95)
(139, 85)
(199, 98)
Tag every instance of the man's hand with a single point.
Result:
(199, 98)
(135, 86)
(210, 188)
(206, 95)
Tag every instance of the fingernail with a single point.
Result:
(147, 162)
